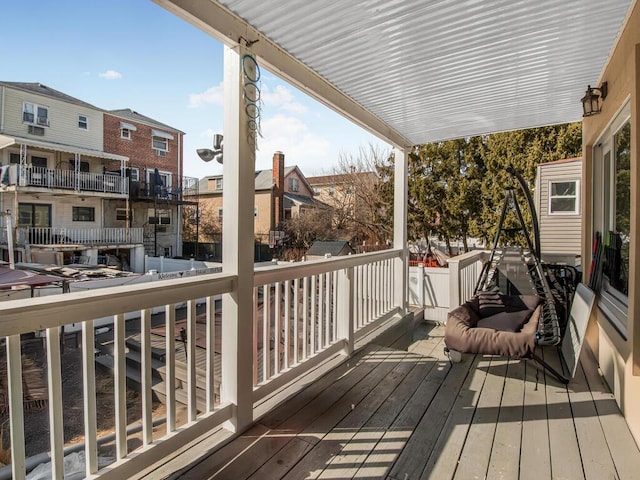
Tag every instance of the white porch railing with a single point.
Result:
(308, 309)
(304, 313)
(69, 180)
(79, 236)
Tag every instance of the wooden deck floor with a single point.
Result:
(406, 415)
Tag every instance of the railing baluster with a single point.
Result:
(145, 337)
(287, 322)
(14, 374)
(277, 330)
(89, 391)
(120, 385)
(327, 309)
(192, 407)
(334, 317)
(255, 336)
(211, 352)
(296, 319)
(312, 332)
(54, 377)
(305, 316)
(170, 359)
(320, 323)
(266, 312)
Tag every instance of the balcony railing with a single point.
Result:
(181, 187)
(304, 314)
(68, 180)
(79, 236)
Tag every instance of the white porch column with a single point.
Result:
(400, 198)
(237, 244)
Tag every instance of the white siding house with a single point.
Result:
(558, 187)
(55, 175)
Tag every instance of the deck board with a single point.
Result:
(399, 415)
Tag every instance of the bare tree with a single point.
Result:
(360, 207)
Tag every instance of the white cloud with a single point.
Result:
(291, 136)
(281, 98)
(213, 95)
(110, 75)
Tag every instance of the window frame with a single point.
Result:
(576, 198)
(165, 141)
(294, 184)
(77, 217)
(119, 211)
(122, 134)
(612, 302)
(219, 183)
(80, 122)
(35, 114)
(159, 216)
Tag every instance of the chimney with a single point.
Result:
(277, 198)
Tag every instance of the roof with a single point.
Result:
(563, 160)
(414, 72)
(45, 91)
(264, 180)
(132, 115)
(8, 140)
(333, 247)
(336, 179)
(295, 198)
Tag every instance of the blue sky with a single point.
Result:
(134, 54)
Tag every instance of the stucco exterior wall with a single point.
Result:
(619, 358)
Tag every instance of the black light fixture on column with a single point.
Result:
(207, 154)
(591, 99)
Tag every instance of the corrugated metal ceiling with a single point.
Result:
(434, 70)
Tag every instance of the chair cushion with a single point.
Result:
(506, 321)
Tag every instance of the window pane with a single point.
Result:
(83, 214)
(618, 245)
(563, 188)
(160, 143)
(563, 205)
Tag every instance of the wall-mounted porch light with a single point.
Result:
(207, 154)
(591, 102)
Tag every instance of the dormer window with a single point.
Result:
(294, 185)
(35, 114)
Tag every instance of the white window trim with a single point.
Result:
(122, 134)
(219, 183)
(86, 122)
(125, 214)
(611, 302)
(165, 140)
(134, 174)
(576, 197)
(35, 114)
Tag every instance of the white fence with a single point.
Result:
(304, 313)
(440, 289)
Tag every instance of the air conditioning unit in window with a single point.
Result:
(33, 130)
(161, 153)
(43, 121)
